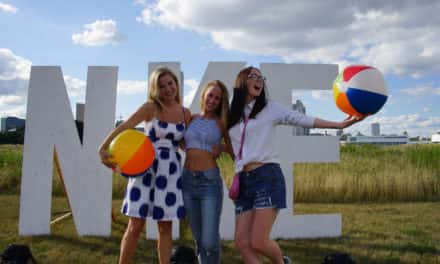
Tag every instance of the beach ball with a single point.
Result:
(133, 152)
(360, 90)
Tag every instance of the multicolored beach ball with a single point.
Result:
(133, 152)
(360, 90)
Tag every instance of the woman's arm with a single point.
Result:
(143, 113)
(188, 118)
(226, 146)
(286, 116)
(350, 120)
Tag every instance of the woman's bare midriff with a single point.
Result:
(199, 160)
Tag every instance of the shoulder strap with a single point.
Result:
(243, 135)
(183, 112)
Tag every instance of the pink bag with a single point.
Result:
(234, 190)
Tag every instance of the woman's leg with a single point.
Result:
(211, 208)
(191, 202)
(164, 242)
(130, 239)
(243, 229)
(263, 221)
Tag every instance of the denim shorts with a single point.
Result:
(263, 187)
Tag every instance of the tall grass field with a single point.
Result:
(389, 198)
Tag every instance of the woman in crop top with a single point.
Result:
(202, 183)
(262, 186)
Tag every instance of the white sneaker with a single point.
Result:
(287, 260)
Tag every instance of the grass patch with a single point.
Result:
(372, 233)
(366, 173)
(369, 173)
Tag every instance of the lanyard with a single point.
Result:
(242, 137)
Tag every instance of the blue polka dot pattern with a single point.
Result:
(164, 154)
(155, 164)
(170, 199)
(157, 193)
(143, 210)
(170, 136)
(161, 182)
(152, 135)
(179, 183)
(135, 194)
(152, 195)
(146, 180)
(173, 168)
(180, 127)
(163, 124)
(158, 213)
(181, 212)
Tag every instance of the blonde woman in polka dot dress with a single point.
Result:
(157, 193)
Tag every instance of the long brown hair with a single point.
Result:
(239, 98)
(222, 111)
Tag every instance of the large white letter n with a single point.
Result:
(50, 126)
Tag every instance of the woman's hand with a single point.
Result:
(350, 120)
(106, 159)
(216, 150)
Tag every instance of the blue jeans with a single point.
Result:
(203, 199)
(263, 187)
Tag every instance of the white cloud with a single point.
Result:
(17, 111)
(140, 2)
(75, 87)
(13, 66)
(190, 88)
(11, 100)
(14, 79)
(396, 37)
(98, 33)
(8, 8)
(132, 87)
(414, 124)
(323, 95)
(422, 91)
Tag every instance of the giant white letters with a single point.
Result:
(49, 126)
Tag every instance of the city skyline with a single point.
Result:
(394, 37)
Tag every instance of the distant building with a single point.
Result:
(339, 132)
(297, 130)
(80, 107)
(11, 123)
(375, 129)
(435, 138)
(378, 140)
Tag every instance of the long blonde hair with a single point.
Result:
(153, 86)
(222, 111)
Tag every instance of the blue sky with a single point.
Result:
(400, 38)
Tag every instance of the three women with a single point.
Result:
(250, 127)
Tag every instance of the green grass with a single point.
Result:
(372, 233)
(365, 173)
(372, 173)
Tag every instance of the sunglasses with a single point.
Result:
(256, 77)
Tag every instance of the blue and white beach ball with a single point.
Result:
(360, 90)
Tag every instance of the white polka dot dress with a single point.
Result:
(158, 193)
